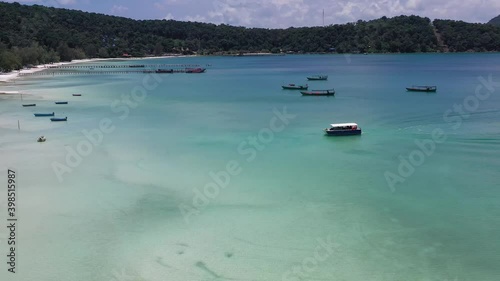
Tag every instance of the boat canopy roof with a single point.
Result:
(344, 124)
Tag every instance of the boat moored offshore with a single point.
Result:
(422, 89)
(329, 92)
(343, 129)
(59, 119)
(318, 77)
(295, 87)
(195, 70)
(44, 114)
(160, 70)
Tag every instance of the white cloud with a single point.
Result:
(118, 9)
(196, 18)
(66, 2)
(168, 17)
(286, 13)
(260, 13)
(415, 5)
(162, 5)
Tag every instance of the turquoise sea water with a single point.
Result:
(115, 214)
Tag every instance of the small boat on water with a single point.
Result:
(61, 102)
(295, 87)
(195, 70)
(41, 139)
(421, 89)
(164, 71)
(44, 114)
(343, 129)
(59, 119)
(330, 92)
(77, 95)
(28, 105)
(318, 77)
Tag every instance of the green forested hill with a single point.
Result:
(460, 36)
(37, 34)
(495, 21)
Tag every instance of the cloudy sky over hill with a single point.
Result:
(282, 13)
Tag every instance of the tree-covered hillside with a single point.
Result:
(460, 36)
(495, 21)
(37, 34)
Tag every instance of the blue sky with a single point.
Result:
(281, 13)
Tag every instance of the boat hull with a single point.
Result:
(29, 105)
(43, 114)
(61, 102)
(343, 132)
(59, 119)
(195, 70)
(164, 71)
(295, 87)
(422, 89)
(319, 93)
(317, 78)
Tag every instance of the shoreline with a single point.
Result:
(13, 75)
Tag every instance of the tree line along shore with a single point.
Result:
(34, 34)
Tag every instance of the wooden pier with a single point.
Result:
(154, 66)
(107, 70)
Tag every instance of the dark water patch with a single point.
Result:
(201, 265)
(160, 261)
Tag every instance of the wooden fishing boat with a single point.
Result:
(295, 87)
(61, 102)
(318, 77)
(343, 129)
(28, 105)
(422, 89)
(59, 119)
(195, 70)
(44, 114)
(77, 95)
(164, 71)
(330, 92)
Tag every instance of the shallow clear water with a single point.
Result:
(115, 214)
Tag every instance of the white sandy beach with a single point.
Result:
(15, 74)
